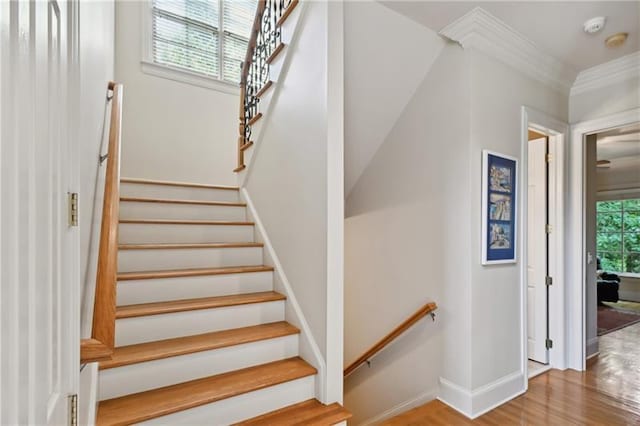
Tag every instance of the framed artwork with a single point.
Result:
(499, 173)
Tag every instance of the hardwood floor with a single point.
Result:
(608, 393)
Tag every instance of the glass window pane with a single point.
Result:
(609, 242)
(202, 11)
(631, 242)
(632, 263)
(631, 204)
(609, 222)
(631, 221)
(609, 206)
(611, 262)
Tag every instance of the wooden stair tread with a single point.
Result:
(154, 403)
(157, 308)
(142, 352)
(186, 222)
(255, 118)
(311, 412)
(160, 246)
(194, 272)
(172, 183)
(177, 201)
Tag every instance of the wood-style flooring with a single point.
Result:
(608, 393)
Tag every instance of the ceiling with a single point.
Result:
(556, 27)
(616, 144)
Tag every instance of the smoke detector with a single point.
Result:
(594, 25)
(616, 40)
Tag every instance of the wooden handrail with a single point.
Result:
(102, 341)
(417, 316)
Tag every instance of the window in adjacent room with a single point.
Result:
(206, 38)
(618, 235)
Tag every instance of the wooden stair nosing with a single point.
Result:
(275, 53)
(254, 119)
(177, 201)
(264, 88)
(172, 183)
(174, 306)
(174, 246)
(246, 146)
(151, 351)
(286, 13)
(194, 272)
(154, 403)
(310, 412)
(239, 168)
(186, 222)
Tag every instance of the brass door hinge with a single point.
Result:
(548, 228)
(548, 158)
(548, 280)
(73, 208)
(73, 409)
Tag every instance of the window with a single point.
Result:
(618, 235)
(208, 38)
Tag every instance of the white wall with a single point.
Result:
(498, 93)
(296, 198)
(407, 239)
(171, 130)
(380, 77)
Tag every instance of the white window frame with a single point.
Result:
(622, 232)
(150, 67)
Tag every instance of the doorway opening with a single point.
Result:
(612, 233)
(537, 259)
(544, 150)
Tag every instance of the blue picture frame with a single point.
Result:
(499, 208)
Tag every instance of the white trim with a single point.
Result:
(188, 77)
(592, 348)
(576, 313)
(607, 74)
(475, 403)
(309, 349)
(558, 133)
(538, 372)
(400, 408)
(481, 30)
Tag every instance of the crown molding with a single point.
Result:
(603, 75)
(478, 29)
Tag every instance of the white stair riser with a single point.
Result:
(137, 210)
(177, 192)
(149, 328)
(129, 379)
(136, 233)
(166, 289)
(164, 259)
(242, 407)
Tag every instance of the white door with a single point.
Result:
(39, 343)
(537, 251)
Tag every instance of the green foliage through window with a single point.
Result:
(618, 235)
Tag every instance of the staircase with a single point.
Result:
(200, 336)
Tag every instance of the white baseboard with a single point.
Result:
(309, 349)
(421, 399)
(592, 347)
(485, 398)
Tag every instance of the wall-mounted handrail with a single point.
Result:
(427, 309)
(100, 345)
(264, 44)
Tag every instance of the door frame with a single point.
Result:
(576, 237)
(558, 134)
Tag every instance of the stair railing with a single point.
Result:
(100, 346)
(264, 45)
(427, 309)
